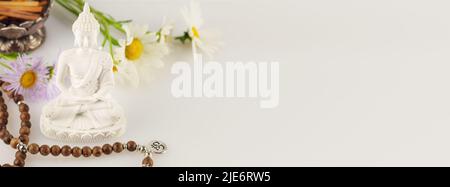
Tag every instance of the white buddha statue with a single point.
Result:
(84, 111)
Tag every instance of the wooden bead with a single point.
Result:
(4, 107)
(20, 154)
(131, 146)
(25, 124)
(44, 150)
(4, 114)
(18, 98)
(2, 100)
(33, 148)
(19, 162)
(7, 139)
(147, 162)
(25, 116)
(24, 139)
(3, 132)
(66, 150)
(3, 121)
(76, 152)
(24, 131)
(97, 151)
(117, 147)
(107, 149)
(10, 94)
(23, 107)
(6, 165)
(55, 150)
(14, 143)
(86, 151)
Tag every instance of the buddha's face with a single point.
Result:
(86, 39)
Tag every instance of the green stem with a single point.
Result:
(108, 38)
(68, 7)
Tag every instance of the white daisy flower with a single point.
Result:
(125, 74)
(201, 38)
(141, 50)
(165, 31)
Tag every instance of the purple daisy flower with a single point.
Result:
(28, 76)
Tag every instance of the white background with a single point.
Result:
(362, 83)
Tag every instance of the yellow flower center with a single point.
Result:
(114, 69)
(28, 79)
(195, 32)
(134, 50)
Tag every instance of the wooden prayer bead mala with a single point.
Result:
(23, 146)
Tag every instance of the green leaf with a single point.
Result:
(184, 38)
(114, 41)
(104, 42)
(124, 21)
(11, 56)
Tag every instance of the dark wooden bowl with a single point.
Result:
(23, 36)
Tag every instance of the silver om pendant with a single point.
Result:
(157, 147)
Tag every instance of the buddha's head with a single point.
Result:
(86, 29)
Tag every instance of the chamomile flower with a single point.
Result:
(125, 74)
(164, 34)
(142, 49)
(201, 38)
